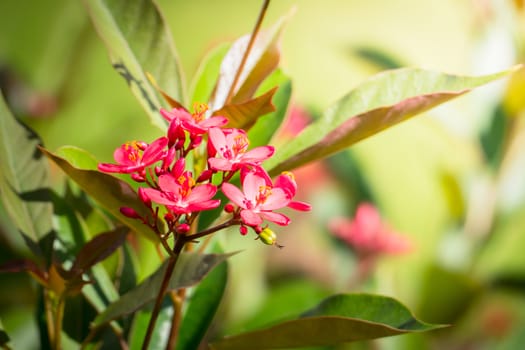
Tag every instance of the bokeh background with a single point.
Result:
(452, 180)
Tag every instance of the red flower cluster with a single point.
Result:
(220, 153)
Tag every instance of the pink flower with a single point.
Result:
(367, 234)
(260, 197)
(135, 156)
(195, 123)
(179, 193)
(231, 147)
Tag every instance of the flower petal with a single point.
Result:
(205, 205)
(301, 206)
(155, 151)
(217, 138)
(250, 218)
(277, 218)
(201, 193)
(252, 185)
(234, 194)
(168, 183)
(278, 199)
(220, 164)
(158, 196)
(117, 168)
(258, 154)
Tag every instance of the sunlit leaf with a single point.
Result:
(189, 270)
(78, 157)
(24, 177)
(202, 307)
(261, 62)
(110, 192)
(379, 103)
(243, 115)
(337, 319)
(170, 100)
(139, 41)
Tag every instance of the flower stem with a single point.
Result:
(178, 300)
(248, 49)
(212, 230)
(59, 316)
(179, 244)
(49, 316)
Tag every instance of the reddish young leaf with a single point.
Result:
(244, 115)
(99, 248)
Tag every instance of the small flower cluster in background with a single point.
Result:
(368, 235)
(215, 154)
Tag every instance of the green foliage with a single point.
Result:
(24, 179)
(337, 319)
(139, 42)
(202, 306)
(190, 269)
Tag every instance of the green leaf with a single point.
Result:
(244, 115)
(381, 59)
(24, 179)
(338, 319)
(261, 62)
(493, 138)
(265, 128)
(138, 41)
(379, 103)
(110, 192)
(189, 270)
(207, 73)
(78, 157)
(202, 307)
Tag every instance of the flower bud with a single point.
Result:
(144, 197)
(267, 236)
(243, 230)
(129, 212)
(196, 140)
(229, 208)
(169, 217)
(141, 145)
(183, 228)
(205, 175)
(138, 177)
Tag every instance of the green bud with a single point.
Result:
(267, 236)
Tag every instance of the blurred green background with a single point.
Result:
(452, 180)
